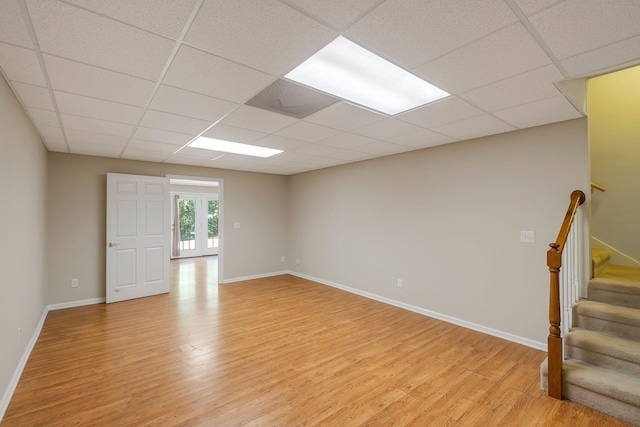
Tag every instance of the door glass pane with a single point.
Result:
(212, 224)
(187, 225)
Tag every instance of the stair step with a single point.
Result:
(617, 285)
(618, 354)
(622, 322)
(607, 391)
(599, 261)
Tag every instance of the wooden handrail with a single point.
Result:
(554, 262)
(595, 186)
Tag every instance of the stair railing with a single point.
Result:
(563, 290)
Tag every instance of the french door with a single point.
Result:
(198, 225)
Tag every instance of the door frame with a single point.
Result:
(221, 210)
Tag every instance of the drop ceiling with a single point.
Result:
(141, 79)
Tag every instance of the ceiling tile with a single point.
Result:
(173, 123)
(33, 96)
(500, 55)
(199, 152)
(70, 76)
(529, 7)
(73, 33)
(210, 75)
(604, 58)
(320, 161)
(385, 129)
(474, 127)
(316, 150)
(349, 155)
(164, 136)
(44, 117)
(83, 137)
(307, 132)
(447, 110)
(381, 148)
(337, 13)
(347, 140)
(539, 113)
(144, 155)
(21, 65)
(344, 116)
(160, 147)
(422, 139)
(97, 108)
(190, 104)
(12, 28)
(577, 26)
(50, 131)
(56, 144)
(280, 142)
(424, 30)
(95, 149)
(166, 17)
(186, 160)
(527, 87)
(279, 38)
(96, 126)
(233, 134)
(257, 119)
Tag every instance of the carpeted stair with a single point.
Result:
(602, 350)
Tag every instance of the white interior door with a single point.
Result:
(138, 236)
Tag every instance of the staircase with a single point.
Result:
(602, 350)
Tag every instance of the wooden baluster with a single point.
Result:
(554, 342)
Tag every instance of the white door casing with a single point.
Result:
(138, 236)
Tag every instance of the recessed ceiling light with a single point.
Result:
(348, 71)
(233, 147)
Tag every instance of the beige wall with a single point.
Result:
(76, 220)
(614, 139)
(23, 168)
(447, 221)
(194, 189)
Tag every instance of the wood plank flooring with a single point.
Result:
(281, 351)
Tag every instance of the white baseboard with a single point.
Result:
(79, 303)
(449, 319)
(257, 276)
(11, 388)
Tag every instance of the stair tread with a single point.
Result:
(604, 311)
(621, 271)
(616, 283)
(599, 255)
(603, 381)
(620, 348)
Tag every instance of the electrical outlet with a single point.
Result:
(74, 283)
(282, 258)
(297, 261)
(399, 283)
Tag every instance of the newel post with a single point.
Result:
(554, 342)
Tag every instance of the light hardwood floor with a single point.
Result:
(281, 351)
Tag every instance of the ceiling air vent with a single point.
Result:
(289, 98)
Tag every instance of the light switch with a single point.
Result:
(236, 225)
(527, 236)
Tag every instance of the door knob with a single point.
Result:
(112, 244)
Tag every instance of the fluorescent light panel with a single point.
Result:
(348, 71)
(233, 147)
